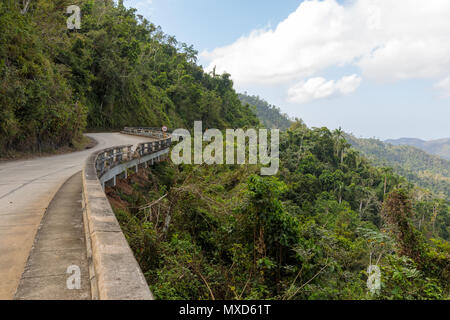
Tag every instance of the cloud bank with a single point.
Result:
(320, 88)
(386, 40)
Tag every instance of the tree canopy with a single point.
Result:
(118, 70)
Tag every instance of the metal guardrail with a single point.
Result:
(151, 132)
(146, 148)
(154, 129)
(146, 132)
(109, 158)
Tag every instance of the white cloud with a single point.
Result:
(386, 39)
(320, 88)
(444, 86)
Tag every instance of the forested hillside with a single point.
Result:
(221, 231)
(269, 115)
(118, 70)
(224, 232)
(439, 147)
(427, 171)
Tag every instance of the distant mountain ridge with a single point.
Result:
(426, 170)
(440, 147)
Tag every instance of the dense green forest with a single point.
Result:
(224, 232)
(216, 232)
(427, 171)
(269, 115)
(440, 147)
(118, 70)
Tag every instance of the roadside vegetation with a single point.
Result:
(224, 232)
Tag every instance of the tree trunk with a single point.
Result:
(435, 213)
(167, 220)
(25, 3)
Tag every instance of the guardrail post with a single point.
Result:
(129, 153)
(111, 158)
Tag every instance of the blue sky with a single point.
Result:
(365, 65)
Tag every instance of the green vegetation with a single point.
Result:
(270, 116)
(224, 232)
(439, 147)
(428, 171)
(39, 110)
(118, 70)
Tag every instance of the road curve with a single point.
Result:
(26, 189)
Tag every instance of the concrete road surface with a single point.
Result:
(26, 189)
(59, 246)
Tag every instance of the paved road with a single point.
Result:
(26, 189)
(59, 245)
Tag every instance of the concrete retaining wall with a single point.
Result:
(114, 271)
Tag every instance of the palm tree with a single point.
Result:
(340, 143)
